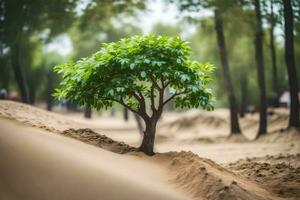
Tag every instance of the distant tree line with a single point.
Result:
(254, 12)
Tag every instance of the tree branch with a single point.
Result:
(141, 95)
(121, 101)
(137, 97)
(174, 95)
(153, 99)
(163, 84)
(154, 82)
(168, 82)
(160, 103)
(142, 108)
(161, 96)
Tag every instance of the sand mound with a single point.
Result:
(36, 117)
(58, 123)
(213, 127)
(279, 174)
(197, 124)
(202, 118)
(204, 179)
(90, 137)
(282, 135)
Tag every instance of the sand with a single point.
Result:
(278, 174)
(90, 137)
(37, 165)
(204, 179)
(87, 154)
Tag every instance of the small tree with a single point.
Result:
(135, 72)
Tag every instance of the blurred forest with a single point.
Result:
(254, 44)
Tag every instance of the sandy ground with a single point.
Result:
(267, 171)
(38, 165)
(267, 168)
(204, 133)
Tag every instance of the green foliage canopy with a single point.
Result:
(135, 72)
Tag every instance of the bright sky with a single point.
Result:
(157, 12)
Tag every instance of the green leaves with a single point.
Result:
(147, 61)
(132, 66)
(131, 69)
(143, 74)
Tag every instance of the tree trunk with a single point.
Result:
(5, 77)
(290, 63)
(244, 87)
(5, 67)
(18, 72)
(260, 70)
(49, 97)
(273, 54)
(88, 112)
(49, 102)
(234, 123)
(147, 145)
(125, 114)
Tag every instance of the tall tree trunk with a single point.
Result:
(244, 88)
(87, 112)
(260, 70)
(147, 145)
(125, 114)
(5, 77)
(290, 63)
(18, 72)
(49, 97)
(234, 123)
(49, 102)
(273, 53)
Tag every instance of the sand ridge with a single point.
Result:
(204, 179)
(90, 137)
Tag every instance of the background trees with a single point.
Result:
(235, 128)
(290, 63)
(29, 28)
(259, 57)
(43, 20)
(219, 8)
(21, 19)
(272, 19)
